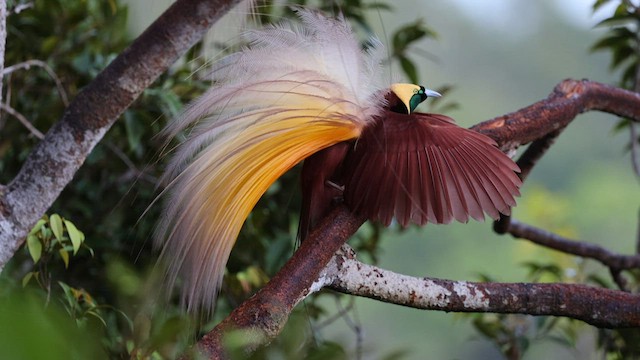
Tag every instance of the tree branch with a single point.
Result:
(526, 162)
(54, 161)
(23, 120)
(582, 249)
(596, 306)
(266, 312)
(26, 65)
(568, 99)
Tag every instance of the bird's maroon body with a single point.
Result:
(417, 168)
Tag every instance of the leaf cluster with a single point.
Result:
(622, 41)
(52, 235)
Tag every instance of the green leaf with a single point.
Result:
(599, 3)
(409, 68)
(97, 316)
(609, 42)
(76, 236)
(37, 226)
(35, 247)
(56, 225)
(46, 233)
(621, 54)
(65, 257)
(26, 278)
(66, 288)
(617, 20)
(629, 74)
(409, 34)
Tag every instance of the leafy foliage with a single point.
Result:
(622, 41)
(77, 39)
(50, 236)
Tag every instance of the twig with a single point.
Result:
(534, 153)
(352, 324)
(526, 162)
(616, 275)
(21, 7)
(578, 248)
(342, 311)
(26, 65)
(137, 173)
(23, 120)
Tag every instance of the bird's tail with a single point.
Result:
(293, 92)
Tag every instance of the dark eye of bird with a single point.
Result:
(417, 98)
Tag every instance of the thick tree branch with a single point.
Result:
(54, 161)
(596, 306)
(568, 99)
(266, 312)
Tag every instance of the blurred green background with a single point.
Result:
(499, 56)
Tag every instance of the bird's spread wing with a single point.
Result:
(294, 91)
(422, 168)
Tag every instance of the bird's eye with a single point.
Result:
(418, 97)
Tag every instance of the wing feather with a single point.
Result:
(428, 171)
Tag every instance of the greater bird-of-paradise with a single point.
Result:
(310, 92)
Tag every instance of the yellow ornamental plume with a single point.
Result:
(292, 92)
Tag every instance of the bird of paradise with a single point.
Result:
(310, 92)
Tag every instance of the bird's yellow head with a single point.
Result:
(412, 95)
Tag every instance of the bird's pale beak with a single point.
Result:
(431, 93)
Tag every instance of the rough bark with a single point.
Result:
(596, 306)
(54, 161)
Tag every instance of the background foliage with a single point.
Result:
(102, 296)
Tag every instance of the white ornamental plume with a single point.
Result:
(294, 90)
